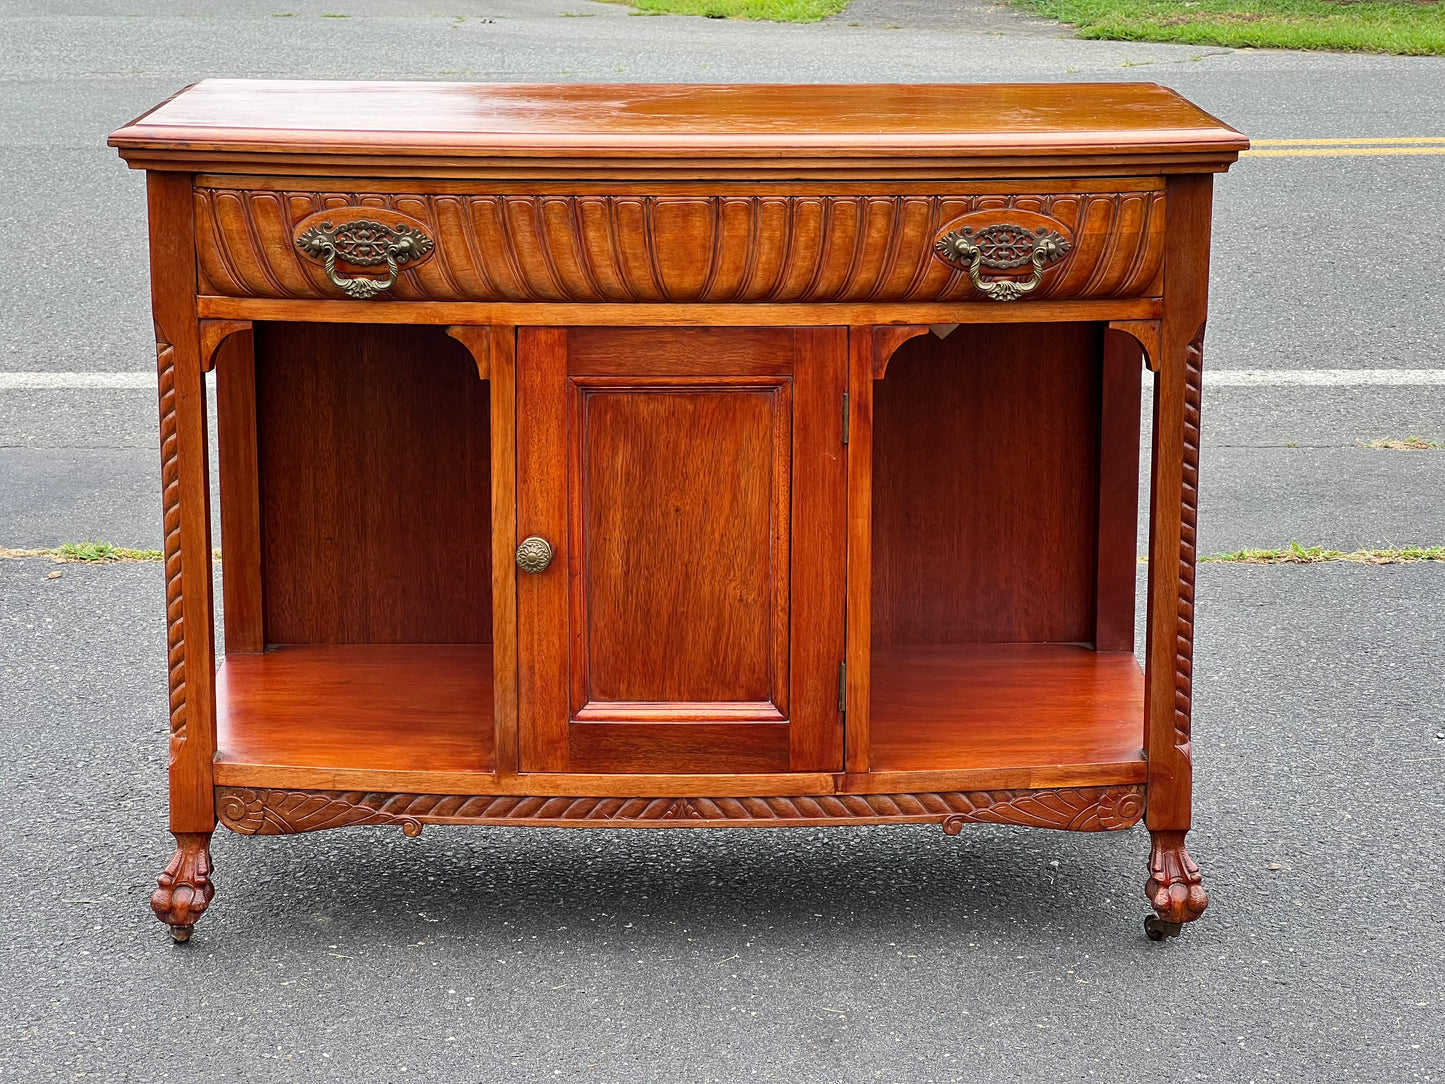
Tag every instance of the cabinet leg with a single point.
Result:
(185, 888)
(1174, 886)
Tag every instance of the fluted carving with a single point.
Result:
(679, 248)
(265, 812)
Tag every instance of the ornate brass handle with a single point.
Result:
(365, 243)
(534, 555)
(1001, 248)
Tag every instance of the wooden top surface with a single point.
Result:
(845, 124)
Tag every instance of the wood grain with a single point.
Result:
(650, 747)
(985, 471)
(397, 707)
(684, 529)
(862, 351)
(186, 503)
(241, 582)
(691, 130)
(667, 292)
(818, 549)
(271, 812)
(544, 681)
(477, 338)
(1146, 334)
(503, 380)
(184, 889)
(694, 594)
(1173, 509)
(574, 314)
(679, 784)
(679, 351)
(374, 481)
(493, 349)
(608, 784)
(887, 340)
(941, 706)
(214, 333)
(637, 249)
(1118, 515)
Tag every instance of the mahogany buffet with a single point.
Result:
(678, 456)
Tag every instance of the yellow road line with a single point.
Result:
(1345, 148)
(1341, 152)
(1345, 142)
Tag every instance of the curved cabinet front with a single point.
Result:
(742, 244)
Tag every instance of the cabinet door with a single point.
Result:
(691, 485)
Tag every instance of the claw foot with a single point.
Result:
(185, 884)
(1174, 886)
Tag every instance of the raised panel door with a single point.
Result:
(690, 483)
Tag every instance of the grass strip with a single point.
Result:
(1409, 444)
(1295, 554)
(1364, 26)
(778, 11)
(95, 553)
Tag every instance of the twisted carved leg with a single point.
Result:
(185, 884)
(1174, 886)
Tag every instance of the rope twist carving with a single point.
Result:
(171, 547)
(1188, 524)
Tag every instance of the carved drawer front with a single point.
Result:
(1010, 247)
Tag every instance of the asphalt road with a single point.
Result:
(846, 955)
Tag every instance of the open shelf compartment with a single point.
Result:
(959, 707)
(381, 707)
(1004, 504)
(356, 521)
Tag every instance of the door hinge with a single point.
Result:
(845, 418)
(843, 688)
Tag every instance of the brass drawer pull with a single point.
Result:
(534, 555)
(364, 243)
(1002, 248)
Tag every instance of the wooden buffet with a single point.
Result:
(665, 456)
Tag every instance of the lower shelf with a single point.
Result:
(373, 707)
(939, 707)
(408, 717)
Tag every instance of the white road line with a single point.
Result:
(1221, 378)
(74, 381)
(1321, 378)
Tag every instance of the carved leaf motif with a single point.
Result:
(1175, 887)
(184, 889)
(281, 812)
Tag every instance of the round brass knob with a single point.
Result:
(534, 555)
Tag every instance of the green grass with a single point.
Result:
(103, 551)
(1414, 29)
(1295, 554)
(1408, 444)
(1363, 26)
(96, 552)
(778, 11)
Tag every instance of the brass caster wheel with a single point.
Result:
(1156, 929)
(181, 934)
